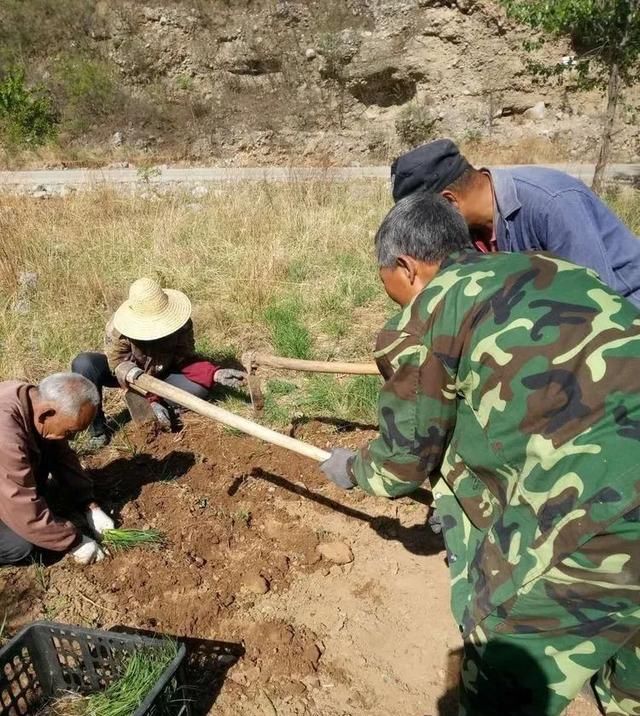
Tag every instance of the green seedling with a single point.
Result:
(139, 674)
(118, 540)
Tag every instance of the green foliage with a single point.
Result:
(289, 336)
(603, 33)
(88, 91)
(26, 113)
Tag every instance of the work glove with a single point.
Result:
(162, 415)
(87, 552)
(98, 520)
(336, 468)
(230, 378)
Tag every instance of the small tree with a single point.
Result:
(606, 37)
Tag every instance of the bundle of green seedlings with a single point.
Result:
(138, 674)
(118, 540)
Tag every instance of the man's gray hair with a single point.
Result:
(424, 226)
(69, 392)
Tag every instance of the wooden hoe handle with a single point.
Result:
(256, 360)
(138, 380)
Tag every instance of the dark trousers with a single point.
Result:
(13, 548)
(94, 366)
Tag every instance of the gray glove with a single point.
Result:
(337, 467)
(162, 415)
(435, 521)
(230, 378)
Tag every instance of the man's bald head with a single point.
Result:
(63, 405)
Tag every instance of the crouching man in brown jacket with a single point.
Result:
(35, 424)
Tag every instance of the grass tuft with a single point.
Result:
(289, 336)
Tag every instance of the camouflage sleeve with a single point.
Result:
(416, 411)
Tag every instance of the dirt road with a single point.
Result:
(56, 178)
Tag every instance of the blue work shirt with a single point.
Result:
(542, 209)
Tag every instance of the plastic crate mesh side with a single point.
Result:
(20, 689)
(89, 662)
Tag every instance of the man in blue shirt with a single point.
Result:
(526, 208)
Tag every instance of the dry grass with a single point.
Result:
(265, 266)
(287, 268)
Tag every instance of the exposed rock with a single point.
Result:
(219, 83)
(336, 552)
(537, 112)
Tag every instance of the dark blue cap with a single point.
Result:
(431, 167)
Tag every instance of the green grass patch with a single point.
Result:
(289, 335)
(349, 399)
(280, 387)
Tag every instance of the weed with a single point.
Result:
(289, 336)
(140, 673)
(273, 413)
(415, 124)
(146, 174)
(123, 443)
(184, 82)
(242, 516)
(361, 397)
(43, 576)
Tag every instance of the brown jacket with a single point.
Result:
(156, 358)
(26, 461)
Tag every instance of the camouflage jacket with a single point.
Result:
(513, 384)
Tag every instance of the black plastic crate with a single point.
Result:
(45, 660)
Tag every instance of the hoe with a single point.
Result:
(140, 384)
(252, 361)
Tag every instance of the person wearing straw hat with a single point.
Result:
(152, 329)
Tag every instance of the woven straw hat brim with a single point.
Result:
(159, 325)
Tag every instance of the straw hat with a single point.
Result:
(151, 312)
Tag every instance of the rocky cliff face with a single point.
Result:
(347, 81)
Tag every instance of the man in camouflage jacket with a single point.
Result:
(513, 385)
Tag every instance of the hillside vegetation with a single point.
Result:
(273, 81)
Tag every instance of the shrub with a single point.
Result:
(27, 115)
(88, 91)
(415, 124)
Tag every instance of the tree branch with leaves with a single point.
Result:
(605, 35)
